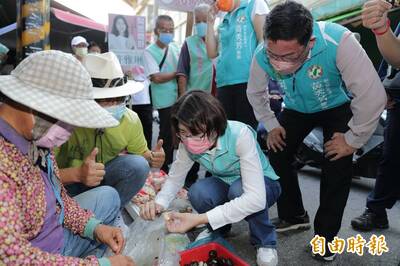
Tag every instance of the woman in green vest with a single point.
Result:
(238, 35)
(243, 184)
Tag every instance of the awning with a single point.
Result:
(78, 20)
(65, 17)
(8, 28)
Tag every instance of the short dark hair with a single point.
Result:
(162, 17)
(93, 44)
(200, 112)
(114, 27)
(289, 21)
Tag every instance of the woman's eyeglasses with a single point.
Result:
(183, 136)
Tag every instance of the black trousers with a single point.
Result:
(387, 185)
(145, 113)
(236, 105)
(166, 135)
(336, 175)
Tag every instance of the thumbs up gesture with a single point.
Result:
(157, 155)
(91, 172)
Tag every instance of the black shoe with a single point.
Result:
(370, 220)
(328, 257)
(301, 223)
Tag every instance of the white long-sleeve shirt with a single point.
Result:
(361, 79)
(251, 201)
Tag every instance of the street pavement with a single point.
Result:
(293, 247)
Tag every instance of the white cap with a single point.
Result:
(77, 40)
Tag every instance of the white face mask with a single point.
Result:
(81, 51)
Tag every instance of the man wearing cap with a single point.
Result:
(43, 99)
(79, 47)
(117, 156)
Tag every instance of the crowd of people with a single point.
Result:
(73, 155)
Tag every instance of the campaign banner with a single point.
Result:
(181, 5)
(127, 39)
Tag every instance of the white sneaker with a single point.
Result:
(267, 257)
(119, 222)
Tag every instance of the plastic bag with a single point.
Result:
(171, 245)
(143, 241)
(149, 241)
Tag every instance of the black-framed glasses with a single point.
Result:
(189, 136)
(286, 58)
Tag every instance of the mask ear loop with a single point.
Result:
(56, 187)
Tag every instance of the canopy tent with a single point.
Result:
(64, 25)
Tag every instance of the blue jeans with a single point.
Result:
(126, 173)
(104, 203)
(211, 192)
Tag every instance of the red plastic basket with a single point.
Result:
(200, 253)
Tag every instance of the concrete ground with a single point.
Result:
(292, 248)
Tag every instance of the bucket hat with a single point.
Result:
(108, 78)
(56, 84)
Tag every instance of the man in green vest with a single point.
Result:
(233, 47)
(328, 81)
(195, 69)
(160, 62)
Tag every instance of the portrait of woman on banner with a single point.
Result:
(120, 38)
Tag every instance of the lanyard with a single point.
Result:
(55, 186)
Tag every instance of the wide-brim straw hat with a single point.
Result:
(108, 78)
(56, 84)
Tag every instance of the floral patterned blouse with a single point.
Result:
(23, 209)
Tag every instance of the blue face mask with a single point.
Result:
(117, 111)
(201, 29)
(166, 38)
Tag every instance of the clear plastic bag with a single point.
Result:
(143, 241)
(171, 245)
(149, 244)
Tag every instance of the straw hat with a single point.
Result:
(108, 79)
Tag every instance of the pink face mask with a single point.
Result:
(285, 68)
(56, 135)
(197, 145)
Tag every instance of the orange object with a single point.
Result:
(226, 5)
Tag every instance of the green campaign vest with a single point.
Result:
(225, 164)
(201, 67)
(164, 95)
(237, 43)
(318, 84)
